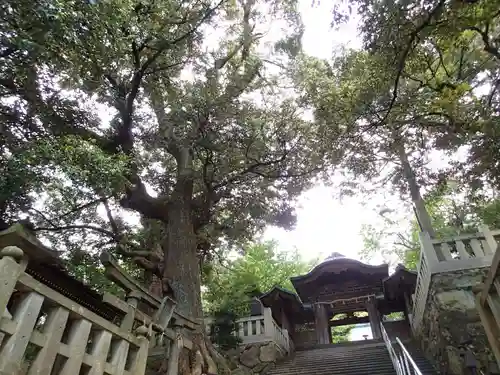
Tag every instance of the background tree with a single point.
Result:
(424, 81)
(232, 284)
(448, 51)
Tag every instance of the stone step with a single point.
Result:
(343, 344)
(340, 352)
(342, 349)
(319, 361)
(354, 359)
(328, 363)
(327, 367)
(335, 369)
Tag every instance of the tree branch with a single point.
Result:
(81, 207)
(488, 46)
(77, 227)
(402, 61)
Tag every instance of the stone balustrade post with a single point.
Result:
(128, 321)
(287, 339)
(490, 240)
(268, 323)
(428, 250)
(12, 266)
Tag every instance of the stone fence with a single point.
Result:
(261, 329)
(52, 324)
(445, 318)
(456, 254)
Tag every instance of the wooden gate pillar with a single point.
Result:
(375, 320)
(321, 322)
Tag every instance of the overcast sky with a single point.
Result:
(325, 224)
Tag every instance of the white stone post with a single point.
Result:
(268, 323)
(10, 270)
(490, 240)
(287, 339)
(428, 250)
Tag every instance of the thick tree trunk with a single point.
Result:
(181, 267)
(182, 272)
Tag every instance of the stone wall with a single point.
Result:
(450, 318)
(256, 358)
(398, 328)
(305, 337)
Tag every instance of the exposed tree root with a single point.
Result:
(204, 359)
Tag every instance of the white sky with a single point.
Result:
(325, 224)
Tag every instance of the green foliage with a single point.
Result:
(223, 330)
(83, 163)
(122, 110)
(341, 333)
(438, 62)
(134, 104)
(261, 267)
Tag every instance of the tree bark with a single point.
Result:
(182, 273)
(181, 267)
(423, 217)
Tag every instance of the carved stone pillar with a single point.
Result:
(374, 317)
(321, 322)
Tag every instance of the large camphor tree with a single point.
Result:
(171, 110)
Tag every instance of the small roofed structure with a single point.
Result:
(286, 307)
(399, 287)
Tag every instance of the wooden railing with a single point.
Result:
(261, 328)
(454, 254)
(488, 305)
(463, 248)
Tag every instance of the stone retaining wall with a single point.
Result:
(398, 328)
(450, 318)
(257, 358)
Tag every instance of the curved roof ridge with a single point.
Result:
(400, 268)
(281, 289)
(347, 261)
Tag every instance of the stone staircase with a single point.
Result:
(355, 359)
(418, 356)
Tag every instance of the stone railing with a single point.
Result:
(454, 254)
(50, 323)
(48, 327)
(487, 298)
(260, 329)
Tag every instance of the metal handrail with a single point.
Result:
(402, 361)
